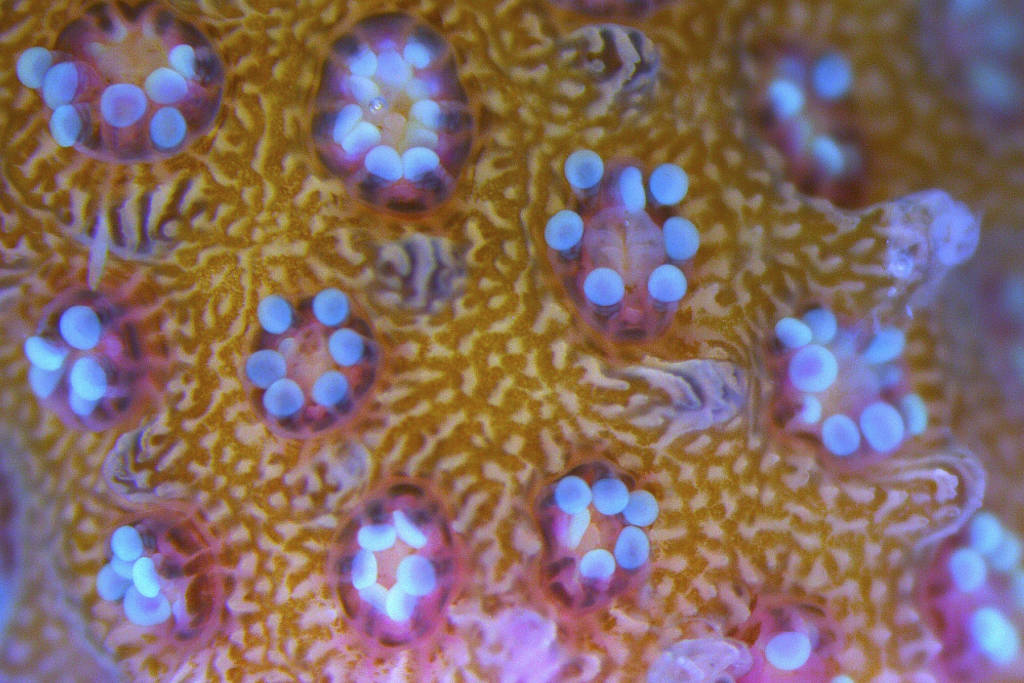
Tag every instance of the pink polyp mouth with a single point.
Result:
(147, 83)
(312, 373)
(92, 378)
(622, 254)
(396, 565)
(391, 118)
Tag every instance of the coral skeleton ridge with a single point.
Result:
(536, 340)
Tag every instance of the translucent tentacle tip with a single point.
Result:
(126, 85)
(621, 252)
(313, 365)
(595, 524)
(163, 569)
(845, 386)
(971, 593)
(396, 565)
(391, 118)
(88, 361)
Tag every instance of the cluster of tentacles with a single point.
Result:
(522, 341)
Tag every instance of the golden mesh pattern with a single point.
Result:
(494, 391)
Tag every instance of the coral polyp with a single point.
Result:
(392, 118)
(978, 49)
(164, 570)
(620, 261)
(792, 640)
(594, 523)
(90, 360)
(312, 365)
(396, 565)
(972, 592)
(126, 83)
(846, 387)
(800, 98)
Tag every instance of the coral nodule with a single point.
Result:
(511, 340)
(312, 365)
(126, 83)
(396, 565)
(392, 118)
(620, 260)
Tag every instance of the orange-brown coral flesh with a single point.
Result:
(490, 385)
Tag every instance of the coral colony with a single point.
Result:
(538, 340)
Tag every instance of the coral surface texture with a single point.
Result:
(523, 341)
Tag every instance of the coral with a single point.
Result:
(620, 261)
(90, 361)
(10, 551)
(491, 386)
(596, 546)
(701, 659)
(979, 47)
(126, 83)
(791, 640)
(627, 8)
(827, 372)
(313, 365)
(391, 117)
(164, 569)
(620, 62)
(972, 592)
(420, 273)
(396, 565)
(801, 102)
